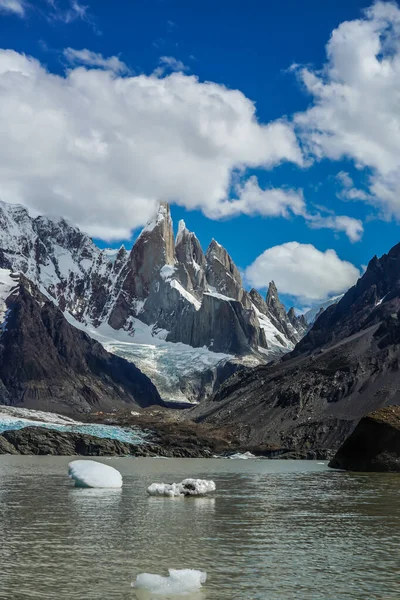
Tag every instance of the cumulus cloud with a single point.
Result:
(353, 228)
(282, 202)
(102, 149)
(355, 111)
(302, 271)
(270, 202)
(16, 7)
(94, 59)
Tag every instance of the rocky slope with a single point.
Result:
(346, 366)
(374, 445)
(47, 364)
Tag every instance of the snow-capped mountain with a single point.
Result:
(312, 315)
(47, 364)
(172, 286)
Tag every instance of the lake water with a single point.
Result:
(274, 530)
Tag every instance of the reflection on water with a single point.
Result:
(143, 595)
(274, 530)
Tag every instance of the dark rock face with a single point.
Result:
(47, 364)
(346, 366)
(374, 298)
(374, 445)
(222, 273)
(43, 441)
(311, 401)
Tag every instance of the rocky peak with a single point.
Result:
(273, 302)
(191, 258)
(374, 297)
(169, 285)
(222, 274)
(258, 301)
(154, 248)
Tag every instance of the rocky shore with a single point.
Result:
(374, 445)
(168, 436)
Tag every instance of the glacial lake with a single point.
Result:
(274, 530)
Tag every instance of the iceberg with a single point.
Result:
(180, 582)
(240, 456)
(187, 487)
(91, 474)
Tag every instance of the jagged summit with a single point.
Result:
(171, 285)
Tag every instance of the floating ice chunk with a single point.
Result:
(91, 474)
(187, 487)
(241, 456)
(180, 582)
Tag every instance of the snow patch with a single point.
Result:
(167, 272)
(159, 218)
(181, 230)
(187, 487)
(272, 334)
(177, 286)
(91, 474)
(219, 296)
(8, 284)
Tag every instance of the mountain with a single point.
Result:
(47, 364)
(347, 365)
(164, 290)
(311, 315)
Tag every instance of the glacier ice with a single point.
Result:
(242, 456)
(187, 487)
(12, 418)
(179, 582)
(92, 474)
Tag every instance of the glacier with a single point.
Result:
(166, 363)
(12, 418)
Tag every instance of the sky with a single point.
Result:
(273, 127)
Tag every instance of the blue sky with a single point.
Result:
(247, 46)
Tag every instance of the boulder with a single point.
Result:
(374, 445)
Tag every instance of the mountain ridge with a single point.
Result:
(183, 293)
(347, 365)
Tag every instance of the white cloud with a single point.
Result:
(302, 271)
(282, 202)
(173, 63)
(103, 150)
(94, 59)
(353, 228)
(356, 110)
(16, 7)
(75, 11)
(252, 200)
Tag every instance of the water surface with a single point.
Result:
(274, 530)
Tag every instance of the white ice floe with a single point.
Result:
(242, 456)
(187, 487)
(179, 583)
(91, 474)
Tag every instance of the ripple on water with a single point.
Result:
(274, 530)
